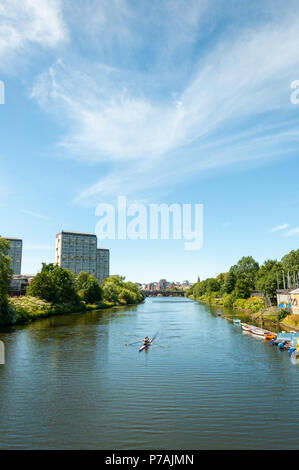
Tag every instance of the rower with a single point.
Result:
(146, 340)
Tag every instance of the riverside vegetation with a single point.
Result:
(56, 290)
(234, 288)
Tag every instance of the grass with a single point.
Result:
(29, 308)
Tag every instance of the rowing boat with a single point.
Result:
(145, 346)
(258, 332)
(246, 327)
(270, 336)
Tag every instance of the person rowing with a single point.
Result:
(146, 341)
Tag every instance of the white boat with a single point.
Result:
(246, 327)
(259, 331)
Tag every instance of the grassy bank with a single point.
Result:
(253, 308)
(27, 309)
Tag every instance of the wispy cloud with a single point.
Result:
(279, 227)
(292, 233)
(29, 23)
(231, 107)
(34, 214)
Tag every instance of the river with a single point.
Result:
(70, 382)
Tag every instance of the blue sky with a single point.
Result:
(162, 101)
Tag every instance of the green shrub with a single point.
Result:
(228, 300)
(282, 314)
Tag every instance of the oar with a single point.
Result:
(131, 344)
(161, 346)
(155, 336)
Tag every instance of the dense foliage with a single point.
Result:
(88, 288)
(59, 286)
(54, 284)
(115, 289)
(244, 278)
(6, 313)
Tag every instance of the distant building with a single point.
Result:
(103, 262)
(284, 298)
(19, 284)
(295, 301)
(78, 252)
(15, 253)
(162, 284)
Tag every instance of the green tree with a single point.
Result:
(6, 272)
(267, 277)
(290, 262)
(54, 284)
(230, 282)
(110, 292)
(88, 288)
(212, 286)
(243, 288)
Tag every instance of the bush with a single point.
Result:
(292, 320)
(282, 314)
(8, 314)
(28, 307)
(254, 304)
(228, 300)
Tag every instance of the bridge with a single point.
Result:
(163, 293)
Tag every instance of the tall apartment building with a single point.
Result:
(78, 252)
(103, 262)
(15, 253)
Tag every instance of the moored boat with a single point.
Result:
(270, 336)
(237, 321)
(246, 327)
(258, 332)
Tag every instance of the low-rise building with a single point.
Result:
(19, 284)
(284, 298)
(295, 301)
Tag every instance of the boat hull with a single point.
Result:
(145, 346)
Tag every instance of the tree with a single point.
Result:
(267, 277)
(54, 284)
(116, 280)
(246, 266)
(212, 286)
(88, 288)
(290, 262)
(6, 273)
(242, 289)
(110, 292)
(230, 282)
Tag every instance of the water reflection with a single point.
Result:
(70, 382)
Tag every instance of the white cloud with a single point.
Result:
(34, 214)
(228, 111)
(27, 23)
(292, 233)
(279, 227)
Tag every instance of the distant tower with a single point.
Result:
(198, 279)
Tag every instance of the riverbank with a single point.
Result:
(269, 315)
(27, 309)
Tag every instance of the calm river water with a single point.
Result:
(71, 383)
